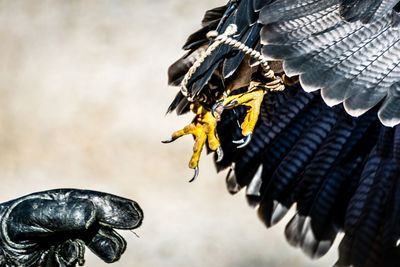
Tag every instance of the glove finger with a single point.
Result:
(67, 254)
(33, 219)
(107, 245)
(117, 212)
(70, 252)
(112, 211)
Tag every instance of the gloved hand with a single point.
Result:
(51, 228)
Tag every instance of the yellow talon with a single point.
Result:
(203, 128)
(251, 99)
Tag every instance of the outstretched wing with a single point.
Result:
(341, 172)
(350, 49)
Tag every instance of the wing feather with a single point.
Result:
(333, 47)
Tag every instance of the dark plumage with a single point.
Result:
(341, 171)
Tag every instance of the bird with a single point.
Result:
(300, 101)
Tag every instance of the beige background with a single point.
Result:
(83, 92)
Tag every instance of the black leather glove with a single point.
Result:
(51, 228)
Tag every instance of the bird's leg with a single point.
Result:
(251, 99)
(203, 129)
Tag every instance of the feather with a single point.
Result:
(245, 17)
(300, 155)
(365, 10)
(210, 22)
(298, 233)
(389, 113)
(341, 172)
(356, 63)
(285, 10)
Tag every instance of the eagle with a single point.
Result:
(300, 101)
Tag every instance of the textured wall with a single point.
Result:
(83, 93)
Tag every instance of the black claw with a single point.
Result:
(168, 141)
(196, 173)
(231, 104)
(220, 154)
(243, 142)
(215, 106)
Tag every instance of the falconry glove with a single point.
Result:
(51, 228)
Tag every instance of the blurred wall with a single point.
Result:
(83, 93)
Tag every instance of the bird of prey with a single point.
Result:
(300, 99)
